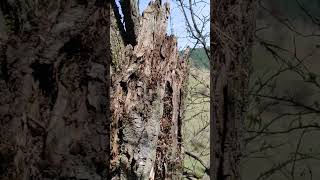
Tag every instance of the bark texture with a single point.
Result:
(147, 100)
(232, 32)
(53, 90)
(131, 15)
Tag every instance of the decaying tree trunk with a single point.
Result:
(53, 90)
(147, 100)
(232, 32)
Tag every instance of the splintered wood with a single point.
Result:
(147, 102)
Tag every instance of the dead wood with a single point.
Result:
(147, 102)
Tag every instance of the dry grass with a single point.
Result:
(196, 124)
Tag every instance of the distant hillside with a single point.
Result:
(199, 58)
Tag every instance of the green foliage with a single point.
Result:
(199, 58)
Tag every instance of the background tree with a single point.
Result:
(196, 17)
(282, 122)
(232, 32)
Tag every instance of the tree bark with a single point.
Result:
(232, 32)
(130, 9)
(147, 101)
(53, 97)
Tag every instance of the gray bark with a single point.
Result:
(53, 97)
(147, 96)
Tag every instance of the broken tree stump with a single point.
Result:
(147, 95)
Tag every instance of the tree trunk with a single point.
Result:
(232, 32)
(53, 97)
(147, 100)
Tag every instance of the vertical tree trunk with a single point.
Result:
(53, 90)
(147, 95)
(232, 32)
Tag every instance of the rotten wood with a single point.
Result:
(147, 102)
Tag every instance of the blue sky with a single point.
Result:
(177, 23)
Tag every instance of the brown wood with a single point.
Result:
(232, 32)
(148, 82)
(53, 94)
